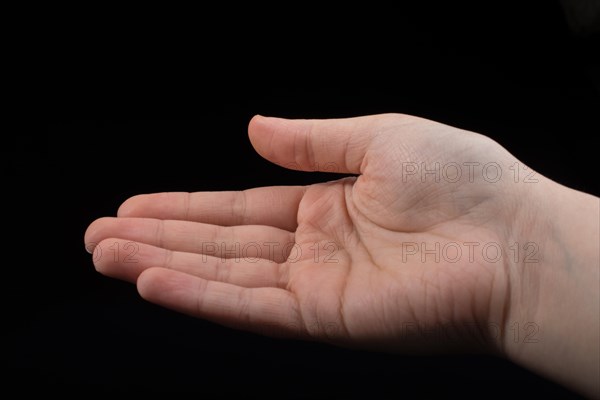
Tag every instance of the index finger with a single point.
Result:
(272, 206)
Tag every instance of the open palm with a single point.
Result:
(419, 241)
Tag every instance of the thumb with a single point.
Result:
(329, 145)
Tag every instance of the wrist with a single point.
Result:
(551, 322)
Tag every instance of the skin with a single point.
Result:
(354, 261)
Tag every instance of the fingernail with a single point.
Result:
(89, 247)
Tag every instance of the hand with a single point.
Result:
(400, 257)
(358, 273)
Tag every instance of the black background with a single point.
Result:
(515, 73)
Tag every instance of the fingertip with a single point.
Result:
(257, 127)
(129, 207)
(168, 288)
(148, 281)
(92, 233)
(158, 283)
(256, 124)
(259, 118)
(89, 247)
(108, 263)
(260, 123)
(265, 136)
(256, 119)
